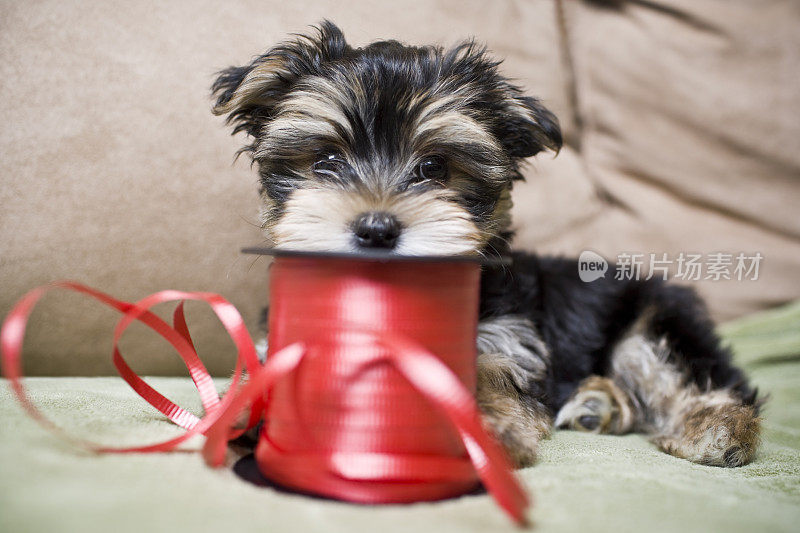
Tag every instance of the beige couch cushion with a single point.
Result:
(115, 173)
(689, 141)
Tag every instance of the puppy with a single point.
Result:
(414, 150)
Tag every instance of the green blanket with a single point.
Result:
(581, 483)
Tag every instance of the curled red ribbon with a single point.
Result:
(328, 470)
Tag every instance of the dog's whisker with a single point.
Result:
(246, 221)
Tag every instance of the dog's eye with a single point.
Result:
(432, 168)
(329, 163)
(431, 171)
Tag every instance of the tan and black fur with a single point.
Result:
(414, 150)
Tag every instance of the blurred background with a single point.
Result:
(681, 122)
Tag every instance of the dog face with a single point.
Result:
(407, 149)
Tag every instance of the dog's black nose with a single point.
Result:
(376, 229)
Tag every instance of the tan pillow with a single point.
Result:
(115, 173)
(689, 141)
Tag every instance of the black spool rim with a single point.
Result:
(379, 256)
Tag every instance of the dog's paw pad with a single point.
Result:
(588, 422)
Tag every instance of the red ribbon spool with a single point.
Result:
(355, 405)
(350, 425)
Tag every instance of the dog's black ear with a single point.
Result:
(248, 94)
(522, 124)
(527, 127)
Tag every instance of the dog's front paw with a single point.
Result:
(518, 422)
(597, 406)
(518, 428)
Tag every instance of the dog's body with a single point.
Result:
(663, 370)
(414, 150)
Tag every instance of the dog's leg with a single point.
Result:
(713, 427)
(646, 392)
(511, 363)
